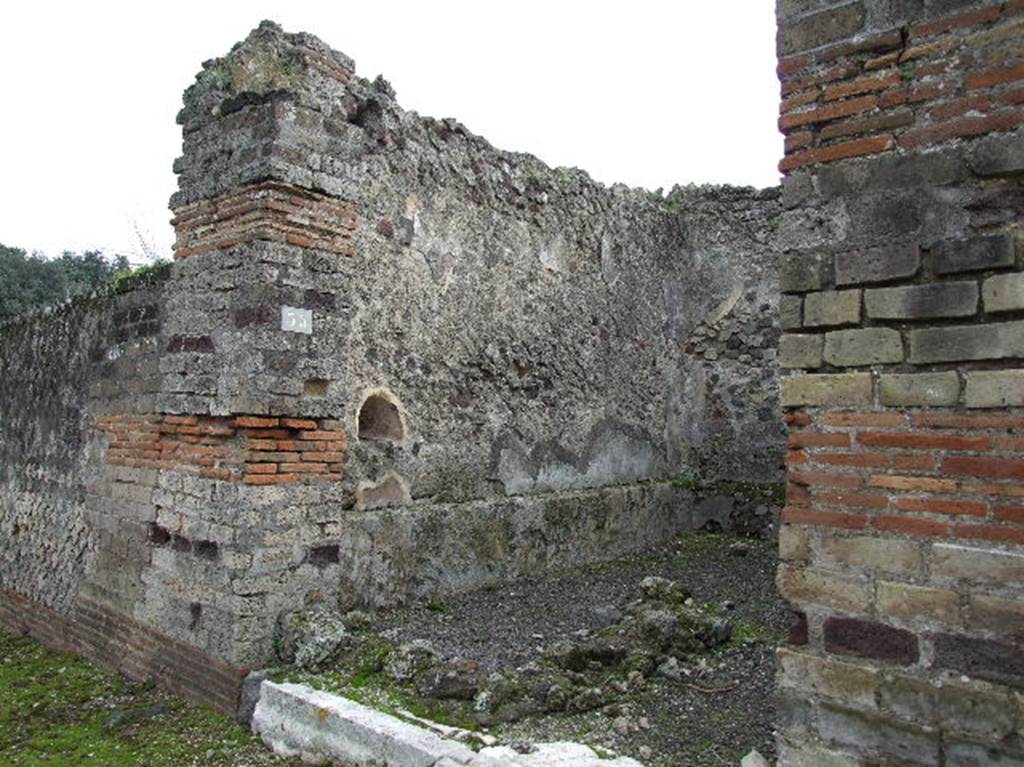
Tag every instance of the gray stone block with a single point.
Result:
(790, 312)
(973, 254)
(912, 302)
(874, 265)
(1003, 293)
(919, 389)
(994, 388)
(988, 341)
(821, 28)
(863, 346)
(832, 307)
(827, 389)
(998, 155)
(801, 350)
(801, 273)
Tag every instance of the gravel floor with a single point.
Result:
(722, 708)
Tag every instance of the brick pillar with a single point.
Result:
(902, 541)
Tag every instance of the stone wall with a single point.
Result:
(903, 534)
(390, 361)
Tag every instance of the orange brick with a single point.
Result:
(862, 85)
(303, 468)
(270, 479)
(857, 148)
(944, 421)
(917, 440)
(816, 518)
(796, 100)
(914, 462)
(1009, 514)
(825, 479)
(255, 422)
(1001, 490)
(797, 495)
(990, 468)
(181, 420)
(911, 525)
(967, 126)
(268, 433)
(261, 468)
(994, 533)
(838, 72)
(993, 77)
(795, 457)
(323, 435)
(959, 107)
(818, 439)
(324, 457)
(942, 506)
(796, 418)
(919, 484)
(862, 419)
(262, 444)
(855, 499)
(826, 113)
(299, 423)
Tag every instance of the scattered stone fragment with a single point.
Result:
(754, 759)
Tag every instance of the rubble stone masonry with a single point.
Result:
(389, 361)
(902, 541)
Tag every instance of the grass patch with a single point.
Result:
(56, 710)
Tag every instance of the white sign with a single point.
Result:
(296, 320)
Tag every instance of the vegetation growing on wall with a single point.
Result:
(28, 281)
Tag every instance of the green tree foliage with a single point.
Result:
(30, 280)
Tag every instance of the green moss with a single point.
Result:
(753, 632)
(56, 710)
(254, 69)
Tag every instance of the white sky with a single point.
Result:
(647, 93)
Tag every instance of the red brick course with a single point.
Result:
(257, 450)
(117, 642)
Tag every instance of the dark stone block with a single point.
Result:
(821, 28)
(158, 535)
(318, 299)
(980, 658)
(876, 265)
(253, 315)
(911, 171)
(198, 344)
(973, 254)
(208, 550)
(998, 155)
(798, 631)
(870, 639)
(321, 556)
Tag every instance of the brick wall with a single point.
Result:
(117, 642)
(903, 533)
(257, 450)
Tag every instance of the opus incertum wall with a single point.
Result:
(388, 361)
(903, 305)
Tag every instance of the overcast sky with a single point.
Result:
(647, 93)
